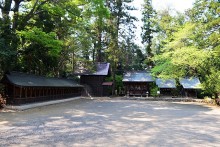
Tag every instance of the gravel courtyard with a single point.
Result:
(109, 122)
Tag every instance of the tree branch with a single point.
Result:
(30, 14)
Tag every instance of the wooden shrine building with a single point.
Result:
(190, 86)
(21, 88)
(136, 83)
(95, 79)
(166, 87)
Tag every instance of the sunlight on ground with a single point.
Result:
(112, 123)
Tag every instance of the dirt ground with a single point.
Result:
(112, 122)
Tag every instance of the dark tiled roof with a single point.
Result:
(22, 79)
(138, 76)
(101, 69)
(190, 83)
(170, 83)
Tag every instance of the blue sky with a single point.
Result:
(179, 5)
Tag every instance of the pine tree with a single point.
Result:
(148, 28)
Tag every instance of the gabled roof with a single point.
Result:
(170, 83)
(190, 83)
(138, 76)
(23, 79)
(101, 69)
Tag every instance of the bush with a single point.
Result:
(153, 90)
(118, 82)
(209, 100)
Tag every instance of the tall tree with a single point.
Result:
(101, 15)
(118, 17)
(148, 13)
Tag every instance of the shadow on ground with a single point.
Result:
(112, 123)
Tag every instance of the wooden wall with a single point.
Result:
(20, 95)
(166, 91)
(136, 88)
(95, 82)
(190, 93)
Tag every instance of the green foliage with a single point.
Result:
(38, 37)
(118, 81)
(153, 90)
(39, 51)
(166, 25)
(193, 48)
(211, 83)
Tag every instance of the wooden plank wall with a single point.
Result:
(21, 95)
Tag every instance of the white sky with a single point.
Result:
(179, 5)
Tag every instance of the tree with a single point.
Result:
(100, 14)
(39, 51)
(148, 28)
(60, 18)
(119, 17)
(194, 50)
(180, 58)
(205, 14)
(11, 23)
(166, 25)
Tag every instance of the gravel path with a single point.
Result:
(96, 122)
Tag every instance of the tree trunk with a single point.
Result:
(99, 45)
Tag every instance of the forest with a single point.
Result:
(52, 37)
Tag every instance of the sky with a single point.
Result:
(179, 5)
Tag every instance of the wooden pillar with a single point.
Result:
(56, 92)
(31, 91)
(52, 92)
(38, 92)
(34, 92)
(25, 92)
(20, 88)
(13, 92)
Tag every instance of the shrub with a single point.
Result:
(153, 90)
(118, 82)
